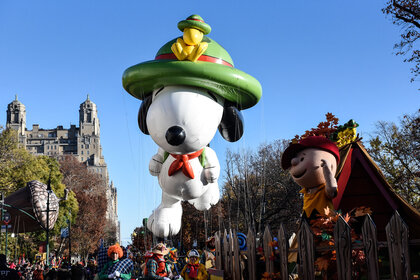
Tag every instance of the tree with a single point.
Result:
(110, 234)
(396, 149)
(17, 166)
(258, 192)
(142, 239)
(406, 13)
(89, 224)
(197, 225)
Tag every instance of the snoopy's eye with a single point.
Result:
(302, 158)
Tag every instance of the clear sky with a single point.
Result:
(311, 57)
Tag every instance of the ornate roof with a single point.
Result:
(362, 183)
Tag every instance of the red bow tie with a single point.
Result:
(182, 161)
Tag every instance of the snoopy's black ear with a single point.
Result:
(232, 125)
(141, 118)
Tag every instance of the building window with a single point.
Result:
(81, 146)
(82, 158)
(87, 152)
(82, 152)
(87, 146)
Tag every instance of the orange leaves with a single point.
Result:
(325, 128)
(347, 218)
(266, 276)
(323, 229)
(322, 263)
(327, 211)
(273, 244)
(362, 211)
(271, 276)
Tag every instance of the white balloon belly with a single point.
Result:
(180, 186)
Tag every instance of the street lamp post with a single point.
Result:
(1, 212)
(6, 221)
(48, 218)
(69, 221)
(13, 235)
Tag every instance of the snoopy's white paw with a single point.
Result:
(155, 165)
(165, 221)
(214, 194)
(209, 198)
(210, 174)
(199, 204)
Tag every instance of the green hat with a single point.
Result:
(194, 21)
(213, 71)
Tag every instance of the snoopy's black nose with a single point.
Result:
(175, 135)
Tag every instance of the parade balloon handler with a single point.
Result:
(38, 274)
(172, 262)
(116, 269)
(312, 162)
(194, 269)
(208, 257)
(189, 91)
(156, 267)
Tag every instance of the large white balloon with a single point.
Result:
(182, 121)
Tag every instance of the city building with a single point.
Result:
(83, 142)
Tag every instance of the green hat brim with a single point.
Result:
(230, 83)
(202, 26)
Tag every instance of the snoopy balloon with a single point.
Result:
(189, 91)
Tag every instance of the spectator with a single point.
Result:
(208, 256)
(51, 274)
(78, 272)
(6, 272)
(38, 273)
(156, 267)
(115, 252)
(194, 269)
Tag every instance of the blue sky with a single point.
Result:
(311, 57)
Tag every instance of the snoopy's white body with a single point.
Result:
(177, 186)
(199, 115)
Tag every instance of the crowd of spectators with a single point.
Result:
(116, 262)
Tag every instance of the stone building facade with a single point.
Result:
(83, 142)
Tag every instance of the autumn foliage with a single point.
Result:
(89, 225)
(325, 128)
(323, 229)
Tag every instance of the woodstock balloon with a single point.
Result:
(189, 91)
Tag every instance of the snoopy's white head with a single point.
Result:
(183, 119)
